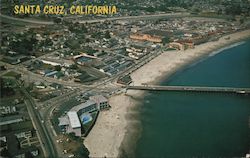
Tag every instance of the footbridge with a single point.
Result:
(190, 89)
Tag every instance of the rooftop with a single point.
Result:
(73, 119)
(10, 119)
(83, 105)
(98, 98)
(63, 121)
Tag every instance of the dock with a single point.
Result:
(190, 89)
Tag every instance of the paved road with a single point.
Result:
(153, 16)
(27, 75)
(43, 124)
(27, 20)
(47, 143)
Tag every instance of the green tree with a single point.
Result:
(57, 20)
(74, 66)
(242, 21)
(107, 35)
(58, 68)
(48, 42)
(165, 40)
(82, 151)
(84, 28)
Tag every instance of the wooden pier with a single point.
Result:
(190, 89)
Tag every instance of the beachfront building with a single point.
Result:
(176, 45)
(101, 101)
(74, 123)
(188, 44)
(81, 114)
(86, 107)
(181, 45)
(70, 123)
(146, 37)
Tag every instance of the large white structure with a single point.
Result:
(71, 123)
(51, 62)
(61, 62)
(73, 119)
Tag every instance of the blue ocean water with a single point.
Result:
(182, 124)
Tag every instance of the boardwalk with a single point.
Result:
(191, 89)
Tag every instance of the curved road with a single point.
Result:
(152, 16)
(27, 20)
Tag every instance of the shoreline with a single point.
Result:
(203, 57)
(112, 131)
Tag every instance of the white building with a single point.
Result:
(101, 101)
(60, 62)
(74, 123)
(71, 123)
(51, 63)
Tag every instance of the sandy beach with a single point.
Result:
(110, 129)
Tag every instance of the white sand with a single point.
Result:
(106, 136)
